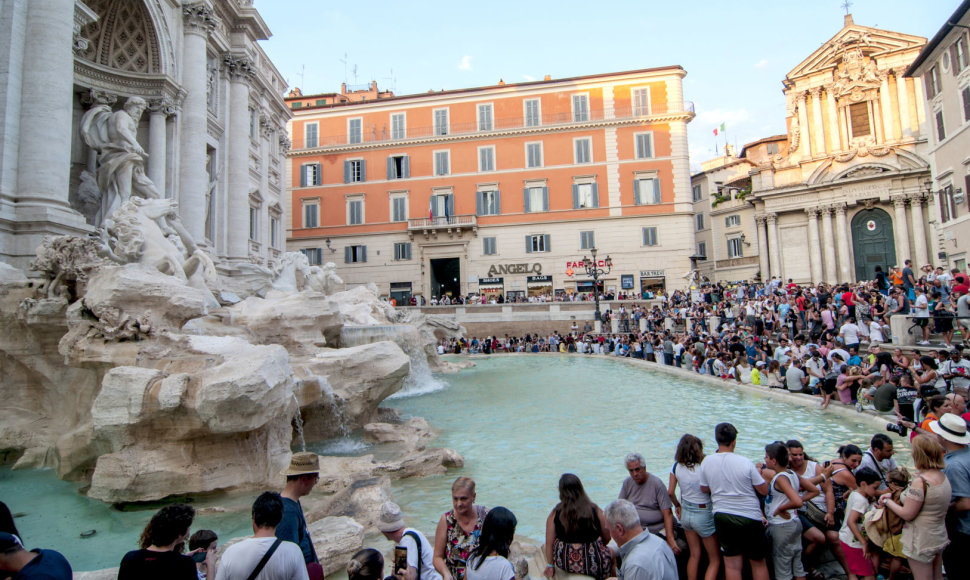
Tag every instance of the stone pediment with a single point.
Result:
(860, 44)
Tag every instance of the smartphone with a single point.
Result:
(199, 557)
(400, 558)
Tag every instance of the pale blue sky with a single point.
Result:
(736, 53)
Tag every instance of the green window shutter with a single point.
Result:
(575, 196)
(596, 195)
(636, 192)
(545, 199)
(303, 173)
(498, 201)
(347, 254)
(346, 171)
(525, 199)
(390, 168)
(408, 250)
(528, 244)
(363, 253)
(363, 170)
(656, 189)
(406, 166)
(545, 242)
(479, 203)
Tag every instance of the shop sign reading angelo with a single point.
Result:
(496, 269)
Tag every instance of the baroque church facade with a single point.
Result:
(214, 130)
(853, 187)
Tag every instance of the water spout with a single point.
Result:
(298, 423)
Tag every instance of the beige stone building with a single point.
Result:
(853, 190)
(725, 217)
(944, 68)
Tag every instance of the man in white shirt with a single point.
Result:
(241, 559)
(921, 312)
(734, 484)
(420, 553)
(850, 333)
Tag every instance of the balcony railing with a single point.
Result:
(374, 134)
(436, 223)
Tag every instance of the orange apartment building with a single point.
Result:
(497, 190)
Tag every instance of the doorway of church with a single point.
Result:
(446, 277)
(873, 243)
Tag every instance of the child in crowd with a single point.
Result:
(862, 562)
(898, 480)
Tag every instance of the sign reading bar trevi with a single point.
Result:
(651, 273)
(495, 269)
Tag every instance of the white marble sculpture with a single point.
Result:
(121, 159)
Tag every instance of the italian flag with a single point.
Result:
(430, 207)
(722, 129)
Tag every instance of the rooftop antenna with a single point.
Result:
(302, 75)
(344, 60)
(355, 74)
(392, 85)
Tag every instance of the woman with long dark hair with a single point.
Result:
(162, 543)
(489, 559)
(577, 534)
(694, 507)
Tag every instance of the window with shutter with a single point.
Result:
(398, 126)
(485, 117)
(355, 130)
(532, 114)
(582, 150)
(644, 142)
(533, 155)
(441, 121)
(310, 131)
(586, 241)
(580, 108)
(311, 213)
(488, 246)
(486, 158)
(650, 236)
(441, 162)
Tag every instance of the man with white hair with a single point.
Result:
(420, 552)
(649, 496)
(643, 556)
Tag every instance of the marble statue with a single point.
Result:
(121, 160)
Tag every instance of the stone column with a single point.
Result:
(844, 127)
(834, 134)
(902, 96)
(759, 221)
(901, 230)
(919, 231)
(193, 179)
(828, 245)
(45, 119)
(774, 250)
(240, 72)
(886, 108)
(818, 137)
(159, 110)
(814, 247)
(803, 123)
(842, 235)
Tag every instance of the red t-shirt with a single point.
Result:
(847, 299)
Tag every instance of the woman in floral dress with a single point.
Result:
(458, 530)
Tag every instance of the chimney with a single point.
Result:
(501, 82)
(547, 78)
(343, 88)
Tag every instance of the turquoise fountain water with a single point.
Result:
(520, 422)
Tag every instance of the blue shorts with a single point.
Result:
(697, 519)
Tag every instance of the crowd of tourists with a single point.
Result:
(786, 516)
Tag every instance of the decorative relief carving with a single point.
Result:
(98, 97)
(163, 105)
(812, 213)
(239, 68)
(198, 18)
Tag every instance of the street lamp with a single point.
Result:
(593, 269)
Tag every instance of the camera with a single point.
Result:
(898, 428)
